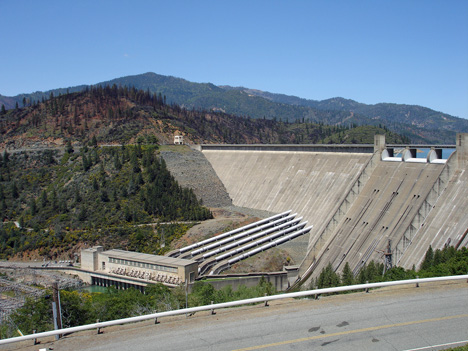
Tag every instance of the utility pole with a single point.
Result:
(56, 309)
(186, 293)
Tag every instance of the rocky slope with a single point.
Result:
(191, 169)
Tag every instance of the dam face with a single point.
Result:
(356, 202)
(309, 183)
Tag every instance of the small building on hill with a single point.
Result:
(178, 140)
(126, 268)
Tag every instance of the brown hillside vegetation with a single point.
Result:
(121, 115)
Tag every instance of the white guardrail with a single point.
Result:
(229, 304)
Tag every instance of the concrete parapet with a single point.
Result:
(279, 280)
(462, 150)
(345, 148)
(379, 143)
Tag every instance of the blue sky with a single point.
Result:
(411, 51)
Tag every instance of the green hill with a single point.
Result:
(83, 168)
(91, 195)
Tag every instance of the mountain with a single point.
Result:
(385, 112)
(119, 115)
(420, 124)
(84, 167)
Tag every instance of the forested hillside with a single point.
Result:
(419, 124)
(91, 195)
(83, 168)
(116, 115)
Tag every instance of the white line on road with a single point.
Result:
(432, 346)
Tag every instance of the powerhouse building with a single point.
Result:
(126, 268)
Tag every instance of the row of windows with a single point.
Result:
(143, 265)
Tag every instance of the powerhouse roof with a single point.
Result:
(147, 258)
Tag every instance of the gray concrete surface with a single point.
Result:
(309, 183)
(382, 211)
(396, 318)
(355, 201)
(446, 224)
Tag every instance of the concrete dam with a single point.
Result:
(360, 199)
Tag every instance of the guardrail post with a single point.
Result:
(35, 339)
(156, 318)
(417, 284)
(99, 331)
(212, 310)
(367, 289)
(266, 302)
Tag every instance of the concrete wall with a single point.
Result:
(355, 201)
(279, 280)
(89, 258)
(386, 206)
(462, 150)
(309, 183)
(447, 222)
(346, 148)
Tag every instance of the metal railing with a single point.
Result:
(212, 307)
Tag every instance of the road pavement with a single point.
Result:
(395, 318)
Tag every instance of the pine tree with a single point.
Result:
(347, 277)
(82, 214)
(372, 272)
(328, 278)
(69, 147)
(14, 190)
(104, 196)
(134, 162)
(87, 163)
(95, 184)
(53, 200)
(362, 278)
(438, 258)
(43, 199)
(428, 259)
(32, 207)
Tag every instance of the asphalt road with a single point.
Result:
(397, 318)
